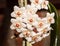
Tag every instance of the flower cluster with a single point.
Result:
(30, 26)
(40, 4)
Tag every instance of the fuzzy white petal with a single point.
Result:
(13, 20)
(33, 33)
(21, 35)
(16, 8)
(12, 27)
(45, 35)
(29, 27)
(18, 30)
(29, 39)
(13, 14)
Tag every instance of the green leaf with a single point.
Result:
(54, 26)
(58, 41)
(49, 8)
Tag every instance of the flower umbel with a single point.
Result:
(28, 24)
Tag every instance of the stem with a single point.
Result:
(25, 2)
(22, 3)
(23, 42)
(49, 8)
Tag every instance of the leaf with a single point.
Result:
(54, 26)
(58, 34)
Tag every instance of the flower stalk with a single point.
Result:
(25, 2)
(22, 3)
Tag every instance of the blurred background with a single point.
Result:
(6, 7)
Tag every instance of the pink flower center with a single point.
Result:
(17, 25)
(26, 33)
(31, 20)
(49, 20)
(34, 38)
(37, 1)
(18, 13)
(40, 24)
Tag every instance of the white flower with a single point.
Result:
(33, 33)
(36, 38)
(30, 9)
(50, 14)
(16, 8)
(21, 30)
(21, 35)
(11, 27)
(25, 33)
(16, 24)
(45, 35)
(45, 4)
(40, 29)
(19, 19)
(35, 23)
(29, 39)
(46, 29)
(36, 17)
(36, 3)
(50, 18)
(40, 23)
(39, 38)
(32, 42)
(40, 4)
(29, 27)
(18, 12)
(31, 19)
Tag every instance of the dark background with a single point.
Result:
(6, 7)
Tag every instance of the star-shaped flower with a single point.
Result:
(36, 38)
(36, 3)
(16, 24)
(50, 18)
(44, 4)
(40, 4)
(25, 33)
(30, 9)
(18, 12)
